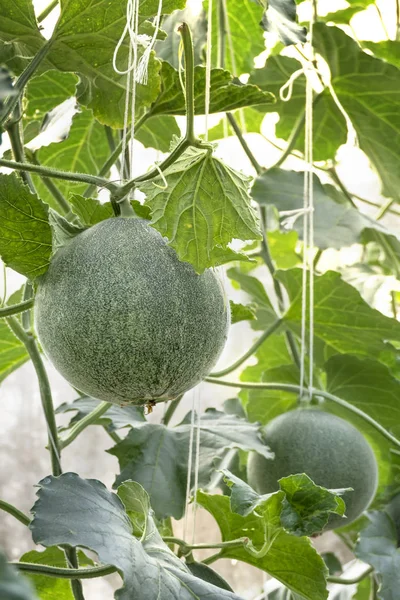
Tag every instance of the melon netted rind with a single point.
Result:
(332, 452)
(123, 320)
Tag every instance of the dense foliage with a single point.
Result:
(61, 119)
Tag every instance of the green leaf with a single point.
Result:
(158, 132)
(114, 418)
(13, 353)
(368, 385)
(101, 524)
(305, 509)
(156, 456)
(290, 559)
(47, 91)
(369, 90)
(388, 50)
(280, 18)
(89, 210)
(49, 588)
(342, 319)
(83, 151)
(344, 16)
(205, 206)
(307, 506)
(335, 224)
(20, 38)
(203, 571)
(329, 127)
(12, 585)
(254, 288)
(282, 245)
(225, 92)
(244, 40)
(332, 562)
(168, 49)
(25, 235)
(242, 312)
(388, 246)
(377, 546)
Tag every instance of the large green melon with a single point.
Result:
(123, 320)
(332, 452)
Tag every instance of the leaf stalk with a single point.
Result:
(89, 419)
(8, 311)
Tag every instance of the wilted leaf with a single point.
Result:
(280, 18)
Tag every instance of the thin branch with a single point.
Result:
(89, 419)
(23, 80)
(15, 512)
(267, 333)
(8, 311)
(62, 573)
(378, 10)
(45, 13)
(296, 389)
(291, 141)
(384, 209)
(45, 391)
(14, 134)
(186, 548)
(113, 435)
(357, 579)
(212, 558)
(58, 196)
(65, 175)
(333, 173)
(259, 169)
(173, 405)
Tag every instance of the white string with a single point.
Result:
(189, 467)
(197, 461)
(310, 205)
(208, 68)
(142, 70)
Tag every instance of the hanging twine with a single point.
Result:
(136, 72)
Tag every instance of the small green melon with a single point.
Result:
(332, 452)
(123, 320)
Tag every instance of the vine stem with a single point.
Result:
(267, 333)
(46, 11)
(384, 209)
(63, 573)
(173, 405)
(14, 134)
(62, 202)
(333, 173)
(259, 169)
(23, 80)
(296, 389)
(186, 548)
(8, 311)
(15, 512)
(83, 423)
(56, 174)
(45, 392)
(54, 444)
(342, 581)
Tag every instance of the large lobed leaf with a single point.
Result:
(157, 456)
(149, 569)
(343, 321)
(202, 207)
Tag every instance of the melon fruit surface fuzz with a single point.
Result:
(123, 320)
